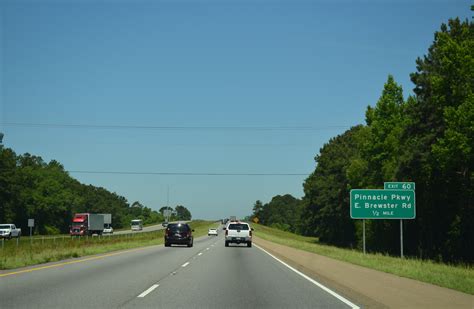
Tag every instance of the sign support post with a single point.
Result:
(363, 234)
(31, 224)
(401, 238)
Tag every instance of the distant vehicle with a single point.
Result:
(87, 224)
(108, 224)
(212, 232)
(108, 229)
(238, 232)
(179, 234)
(233, 218)
(9, 230)
(136, 225)
(165, 224)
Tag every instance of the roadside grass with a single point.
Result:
(456, 277)
(201, 227)
(50, 250)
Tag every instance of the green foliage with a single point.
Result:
(32, 188)
(326, 211)
(438, 146)
(162, 209)
(380, 151)
(257, 209)
(182, 213)
(385, 125)
(282, 212)
(51, 230)
(428, 139)
(147, 215)
(281, 226)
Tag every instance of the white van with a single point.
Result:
(137, 225)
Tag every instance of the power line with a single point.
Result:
(184, 173)
(174, 128)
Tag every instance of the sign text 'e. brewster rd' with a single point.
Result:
(382, 204)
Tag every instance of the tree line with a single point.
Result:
(32, 188)
(427, 138)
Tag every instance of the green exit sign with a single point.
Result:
(399, 185)
(382, 204)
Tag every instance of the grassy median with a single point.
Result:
(38, 251)
(456, 277)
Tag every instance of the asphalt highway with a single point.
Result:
(207, 275)
(145, 229)
(150, 228)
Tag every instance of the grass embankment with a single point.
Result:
(456, 277)
(49, 250)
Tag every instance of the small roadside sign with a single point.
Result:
(255, 219)
(31, 224)
(399, 185)
(167, 214)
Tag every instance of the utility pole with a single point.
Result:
(168, 204)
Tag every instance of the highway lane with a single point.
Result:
(150, 228)
(205, 276)
(100, 283)
(235, 277)
(145, 229)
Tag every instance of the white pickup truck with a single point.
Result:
(9, 231)
(237, 233)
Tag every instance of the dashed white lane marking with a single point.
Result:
(347, 302)
(185, 264)
(200, 253)
(154, 286)
(207, 248)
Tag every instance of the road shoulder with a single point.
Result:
(368, 287)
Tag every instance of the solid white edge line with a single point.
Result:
(347, 302)
(185, 264)
(154, 286)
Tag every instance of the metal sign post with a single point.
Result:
(401, 238)
(31, 224)
(363, 234)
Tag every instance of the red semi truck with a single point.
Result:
(87, 224)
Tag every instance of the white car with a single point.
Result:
(212, 232)
(108, 229)
(9, 230)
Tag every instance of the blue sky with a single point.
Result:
(195, 64)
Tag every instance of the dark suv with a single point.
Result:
(178, 234)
